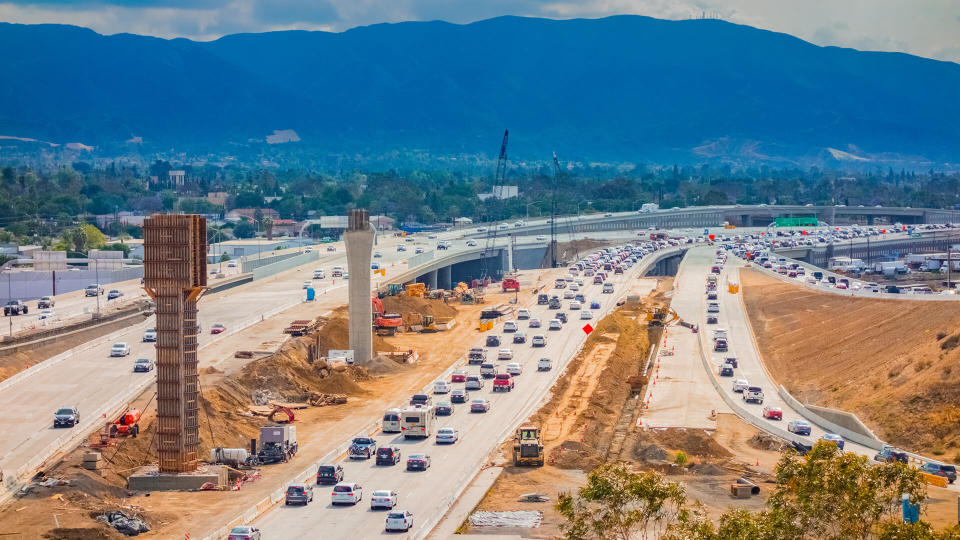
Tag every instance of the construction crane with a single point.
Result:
(492, 229)
(558, 173)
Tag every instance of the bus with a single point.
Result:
(417, 422)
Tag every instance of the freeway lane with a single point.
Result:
(428, 494)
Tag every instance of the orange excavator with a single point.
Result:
(385, 324)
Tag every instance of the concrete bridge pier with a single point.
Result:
(359, 241)
(432, 279)
(446, 277)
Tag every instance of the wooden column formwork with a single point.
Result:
(175, 276)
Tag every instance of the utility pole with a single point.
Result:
(96, 267)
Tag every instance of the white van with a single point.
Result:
(441, 387)
(391, 421)
(417, 422)
(318, 274)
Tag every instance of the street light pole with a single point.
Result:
(96, 267)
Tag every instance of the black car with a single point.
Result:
(458, 395)
(444, 408)
(493, 341)
(66, 417)
(388, 455)
(519, 338)
(711, 319)
(562, 317)
(726, 371)
(299, 494)
(732, 361)
(329, 473)
(418, 462)
(420, 399)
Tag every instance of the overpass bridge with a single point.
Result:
(717, 216)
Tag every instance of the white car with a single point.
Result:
(544, 364)
(441, 387)
(586, 315)
(307, 284)
(740, 385)
(574, 287)
(523, 314)
(120, 349)
(399, 521)
(346, 493)
(568, 294)
(505, 354)
(471, 243)
(377, 255)
(541, 237)
(319, 274)
(555, 325)
(575, 305)
(231, 264)
(447, 436)
(47, 314)
(510, 326)
(383, 498)
(149, 335)
(579, 282)
(538, 341)
(514, 368)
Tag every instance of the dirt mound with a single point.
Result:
(574, 455)
(707, 469)
(765, 441)
(644, 451)
(891, 362)
(210, 370)
(334, 333)
(380, 365)
(692, 441)
(413, 304)
(63, 533)
(287, 374)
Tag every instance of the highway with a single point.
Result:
(428, 494)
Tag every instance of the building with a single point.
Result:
(286, 227)
(383, 223)
(177, 178)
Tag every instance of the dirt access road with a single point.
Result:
(892, 362)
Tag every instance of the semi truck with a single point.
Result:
(278, 444)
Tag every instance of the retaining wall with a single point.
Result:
(32, 284)
(286, 264)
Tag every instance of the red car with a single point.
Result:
(772, 413)
(458, 376)
(217, 328)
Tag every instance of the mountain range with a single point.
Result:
(624, 88)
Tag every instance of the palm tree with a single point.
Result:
(268, 226)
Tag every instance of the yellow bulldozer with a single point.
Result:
(527, 448)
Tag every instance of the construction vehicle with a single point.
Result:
(278, 444)
(127, 424)
(658, 317)
(511, 284)
(527, 448)
(416, 289)
(277, 409)
(431, 323)
(385, 324)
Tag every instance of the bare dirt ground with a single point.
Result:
(892, 362)
(225, 421)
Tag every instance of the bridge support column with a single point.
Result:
(432, 279)
(359, 241)
(446, 278)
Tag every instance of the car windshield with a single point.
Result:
(479, 402)
(446, 431)
(418, 456)
(381, 493)
(295, 490)
(65, 411)
(325, 470)
(363, 440)
(385, 451)
(241, 530)
(948, 468)
(143, 361)
(342, 489)
(395, 515)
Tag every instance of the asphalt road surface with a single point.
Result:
(428, 494)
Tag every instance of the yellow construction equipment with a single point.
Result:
(416, 289)
(734, 288)
(527, 448)
(658, 317)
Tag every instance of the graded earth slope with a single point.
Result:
(892, 362)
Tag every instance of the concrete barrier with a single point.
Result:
(286, 264)
(863, 440)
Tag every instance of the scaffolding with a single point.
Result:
(175, 276)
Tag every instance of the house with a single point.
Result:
(382, 222)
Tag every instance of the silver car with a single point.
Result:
(447, 436)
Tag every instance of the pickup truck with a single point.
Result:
(14, 307)
(476, 356)
(502, 382)
(46, 302)
(542, 299)
(93, 290)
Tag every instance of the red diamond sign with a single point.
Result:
(587, 329)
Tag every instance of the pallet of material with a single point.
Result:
(300, 327)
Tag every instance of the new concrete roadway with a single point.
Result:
(428, 494)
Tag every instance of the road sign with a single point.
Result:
(587, 329)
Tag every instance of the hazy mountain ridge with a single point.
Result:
(622, 88)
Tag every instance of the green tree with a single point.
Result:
(76, 237)
(268, 226)
(224, 257)
(93, 238)
(619, 504)
(244, 229)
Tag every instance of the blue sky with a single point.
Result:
(928, 28)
